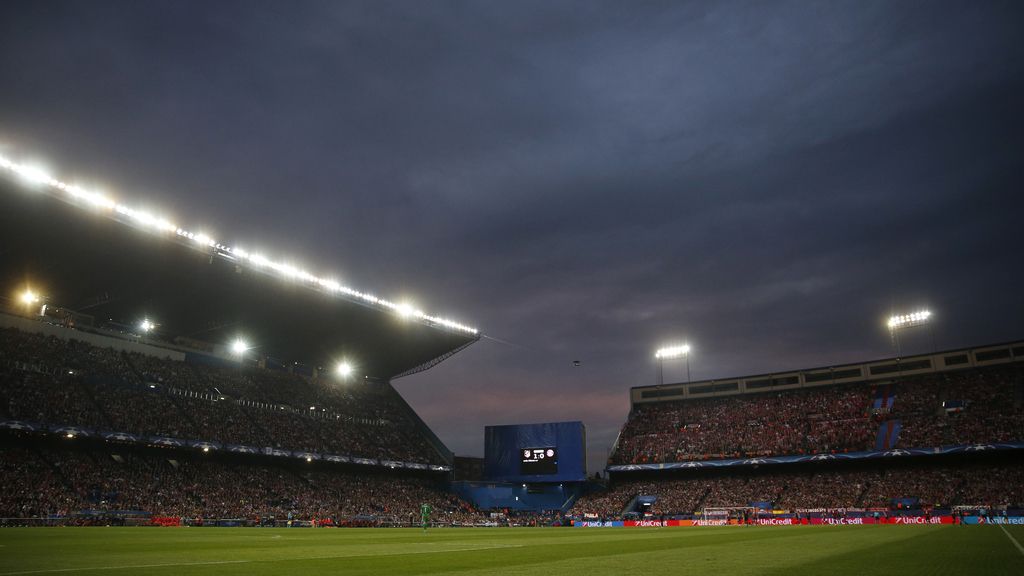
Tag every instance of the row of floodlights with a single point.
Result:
(239, 346)
(895, 322)
(343, 369)
(907, 320)
(40, 177)
(669, 352)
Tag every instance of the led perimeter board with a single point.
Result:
(552, 452)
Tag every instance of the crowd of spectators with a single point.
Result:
(44, 483)
(930, 487)
(882, 487)
(814, 421)
(52, 381)
(971, 406)
(824, 489)
(532, 518)
(612, 501)
(31, 488)
(1006, 482)
(967, 407)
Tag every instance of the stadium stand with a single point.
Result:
(116, 484)
(57, 382)
(980, 405)
(974, 409)
(52, 381)
(891, 488)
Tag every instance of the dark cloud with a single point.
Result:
(582, 180)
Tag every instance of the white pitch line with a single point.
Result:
(300, 559)
(1012, 539)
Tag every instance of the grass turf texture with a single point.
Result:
(835, 550)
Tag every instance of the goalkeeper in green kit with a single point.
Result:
(425, 511)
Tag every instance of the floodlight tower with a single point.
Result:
(672, 353)
(899, 322)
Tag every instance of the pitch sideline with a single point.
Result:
(1012, 539)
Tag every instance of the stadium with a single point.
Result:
(511, 288)
(116, 419)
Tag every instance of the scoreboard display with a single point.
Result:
(538, 461)
(542, 453)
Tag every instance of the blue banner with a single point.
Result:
(166, 441)
(76, 430)
(874, 454)
(598, 524)
(204, 445)
(19, 425)
(120, 436)
(64, 430)
(1015, 520)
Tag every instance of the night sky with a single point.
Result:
(582, 181)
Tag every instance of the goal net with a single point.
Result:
(721, 515)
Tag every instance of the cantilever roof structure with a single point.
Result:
(92, 255)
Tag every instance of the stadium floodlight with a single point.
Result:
(406, 310)
(344, 369)
(155, 223)
(239, 347)
(35, 175)
(899, 322)
(918, 318)
(671, 353)
(28, 297)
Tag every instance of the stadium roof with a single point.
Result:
(88, 253)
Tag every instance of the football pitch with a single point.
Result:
(731, 550)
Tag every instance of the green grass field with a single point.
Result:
(789, 550)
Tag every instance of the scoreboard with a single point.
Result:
(551, 452)
(539, 460)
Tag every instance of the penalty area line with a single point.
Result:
(1012, 539)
